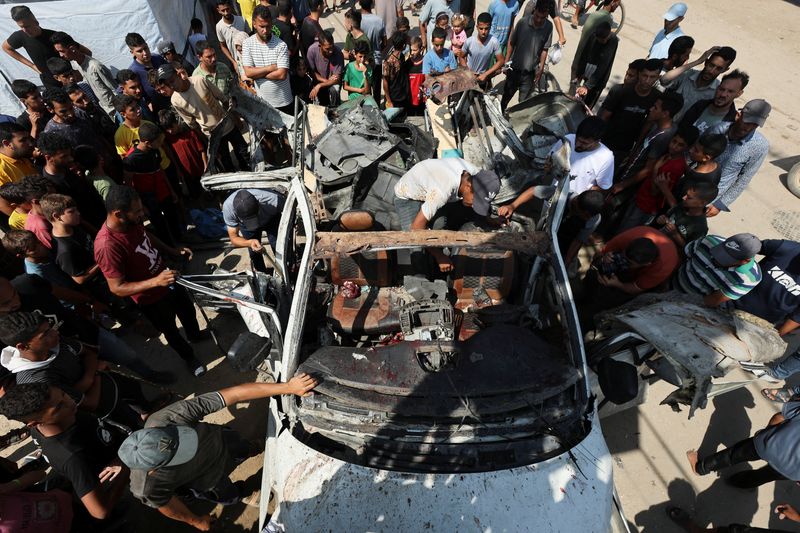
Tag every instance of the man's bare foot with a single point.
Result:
(692, 456)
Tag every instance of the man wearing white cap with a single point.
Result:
(672, 30)
(177, 451)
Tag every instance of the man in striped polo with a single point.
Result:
(720, 269)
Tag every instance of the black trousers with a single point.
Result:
(517, 80)
(162, 314)
(377, 83)
(597, 298)
(742, 452)
(240, 149)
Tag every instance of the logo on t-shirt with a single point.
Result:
(148, 251)
(785, 280)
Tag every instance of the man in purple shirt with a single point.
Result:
(327, 62)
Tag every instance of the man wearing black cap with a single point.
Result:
(719, 269)
(176, 450)
(252, 212)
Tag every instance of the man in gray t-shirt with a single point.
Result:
(375, 30)
(251, 212)
(527, 53)
(177, 451)
(480, 49)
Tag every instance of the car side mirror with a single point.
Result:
(618, 380)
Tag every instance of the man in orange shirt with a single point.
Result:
(16, 148)
(635, 261)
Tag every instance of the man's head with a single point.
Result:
(403, 25)
(667, 105)
(353, 19)
(399, 41)
(610, 5)
(128, 107)
(13, 194)
(737, 250)
(326, 45)
(483, 25)
(39, 404)
(196, 25)
(730, 88)
(167, 75)
(317, 7)
(602, 32)
(685, 137)
(159, 447)
(79, 98)
(641, 252)
(717, 63)
(87, 159)
(708, 147)
(674, 16)
(206, 55)
(29, 95)
(62, 71)
(138, 47)
(366, 5)
(129, 83)
(437, 40)
(752, 115)
(24, 18)
(699, 195)
(15, 141)
(124, 206)
(479, 191)
(651, 71)
(25, 245)
(262, 23)
(10, 300)
(589, 203)
(56, 149)
(679, 50)
(540, 12)
(634, 68)
(60, 209)
(589, 133)
(284, 9)
(225, 9)
(247, 209)
(60, 104)
(66, 47)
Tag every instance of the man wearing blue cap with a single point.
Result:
(671, 31)
(177, 451)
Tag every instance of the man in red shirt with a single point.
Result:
(131, 262)
(635, 261)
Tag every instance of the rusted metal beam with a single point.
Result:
(329, 244)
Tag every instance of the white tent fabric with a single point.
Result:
(101, 26)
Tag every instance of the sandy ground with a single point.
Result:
(648, 443)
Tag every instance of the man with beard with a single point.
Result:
(16, 149)
(74, 124)
(227, 27)
(94, 72)
(266, 61)
(97, 116)
(708, 113)
(132, 262)
(143, 63)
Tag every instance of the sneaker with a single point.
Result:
(196, 367)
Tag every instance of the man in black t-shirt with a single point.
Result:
(283, 28)
(72, 444)
(36, 115)
(625, 110)
(36, 42)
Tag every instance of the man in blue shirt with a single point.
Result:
(671, 31)
(503, 13)
(143, 63)
(438, 59)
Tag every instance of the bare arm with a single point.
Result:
(498, 64)
(788, 327)
(19, 57)
(300, 385)
(100, 502)
(122, 288)
(224, 47)
(559, 30)
(240, 242)
(675, 73)
(177, 510)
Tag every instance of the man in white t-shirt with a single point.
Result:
(265, 59)
(437, 193)
(591, 163)
(227, 27)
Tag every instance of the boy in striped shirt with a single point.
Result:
(720, 269)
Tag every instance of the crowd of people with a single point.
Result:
(95, 155)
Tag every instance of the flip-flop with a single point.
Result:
(781, 395)
(679, 516)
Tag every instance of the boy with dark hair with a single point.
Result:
(438, 59)
(632, 73)
(131, 85)
(415, 76)
(352, 20)
(101, 121)
(97, 75)
(91, 166)
(396, 89)
(703, 168)
(143, 62)
(187, 145)
(74, 124)
(687, 221)
(66, 75)
(284, 28)
(33, 188)
(25, 245)
(73, 247)
(480, 50)
(13, 195)
(36, 115)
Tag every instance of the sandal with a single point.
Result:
(781, 395)
(679, 516)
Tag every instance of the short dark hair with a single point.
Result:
(51, 142)
(688, 132)
(355, 17)
(149, 132)
(196, 24)
(652, 64)
(671, 102)
(86, 157)
(35, 186)
(680, 46)
(402, 21)
(120, 198)
(284, 8)
(399, 40)
(126, 75)
(12, 192)
(122, 102)
(73, 88)
(202, 46)
(591, 128)
(9, 129)
(544, 6)
(366, 4)
(438, 33)
(21, 13)
(361, 47)
(59, 96)
(56, 66)
(591, 201)
(737, 74)
(63, 38)
(325, 37)
(642, 251)
(24, 400)
(167, 118)
(224, 2)
(603, 30)
(485, 18)
(705, 191)
(18, 242)
(713, 144)
(726, 53)
(134, 39)
(23, 88)
(262, 12)
(637, 64)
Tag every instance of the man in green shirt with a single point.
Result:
(209, 68)
(590, 27)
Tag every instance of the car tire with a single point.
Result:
(793, 180)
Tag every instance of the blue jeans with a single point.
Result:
(785, 367)
(115, 350)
